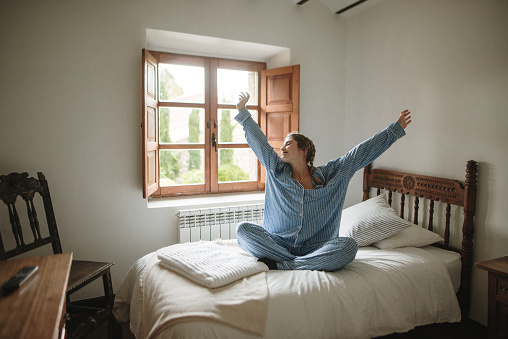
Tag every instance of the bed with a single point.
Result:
(406, 274)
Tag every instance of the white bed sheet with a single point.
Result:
(380, 292)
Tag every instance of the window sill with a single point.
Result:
(209, 200)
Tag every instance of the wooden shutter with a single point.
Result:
(280, 104)
(150, 125)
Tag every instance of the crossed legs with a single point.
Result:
(329, 256)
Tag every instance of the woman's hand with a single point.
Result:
(243, 98)
(404, 118)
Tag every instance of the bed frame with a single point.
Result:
(451, 192)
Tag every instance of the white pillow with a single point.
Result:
(371, 221)
(413, 236)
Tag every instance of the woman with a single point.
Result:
(303, 203)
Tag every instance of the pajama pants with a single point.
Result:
(327, 256)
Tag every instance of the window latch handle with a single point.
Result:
(214, 142)
(214, 124)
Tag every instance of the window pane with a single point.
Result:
(179, 83)
(230, 131)
(237, 164)
(231, 82)
(181, 125)
(181, 167)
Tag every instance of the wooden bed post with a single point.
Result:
(366, 188)
(467, 238)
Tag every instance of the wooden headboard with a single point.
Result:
(451, 192)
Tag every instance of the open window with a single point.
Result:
(191, 142)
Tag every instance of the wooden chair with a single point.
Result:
(82, 272)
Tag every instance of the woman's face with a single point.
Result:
(290, 151)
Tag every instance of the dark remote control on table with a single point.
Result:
(19, 278)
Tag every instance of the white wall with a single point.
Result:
(70, 102)
(446, 61)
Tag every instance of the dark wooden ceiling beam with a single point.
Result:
(350, 6)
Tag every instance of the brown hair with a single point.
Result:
(304, 143)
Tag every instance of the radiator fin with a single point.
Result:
(218, 222)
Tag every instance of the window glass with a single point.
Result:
(231, 82)
(178, 83)
(237, 164)
(181, 167)
(230, 131)
(181, 125)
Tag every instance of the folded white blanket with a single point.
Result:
(209, 264)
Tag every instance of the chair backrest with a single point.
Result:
(17, 185)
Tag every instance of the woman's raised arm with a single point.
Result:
(255, 136)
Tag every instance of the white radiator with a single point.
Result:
(217, 222)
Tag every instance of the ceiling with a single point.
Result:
(183, 43)
(336, 6)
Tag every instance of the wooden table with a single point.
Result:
(498, 296)
(36, 309)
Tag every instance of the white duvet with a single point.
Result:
(380, 292)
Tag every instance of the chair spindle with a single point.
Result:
(15, 224)
(32, 216)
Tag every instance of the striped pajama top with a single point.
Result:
(308, 217)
